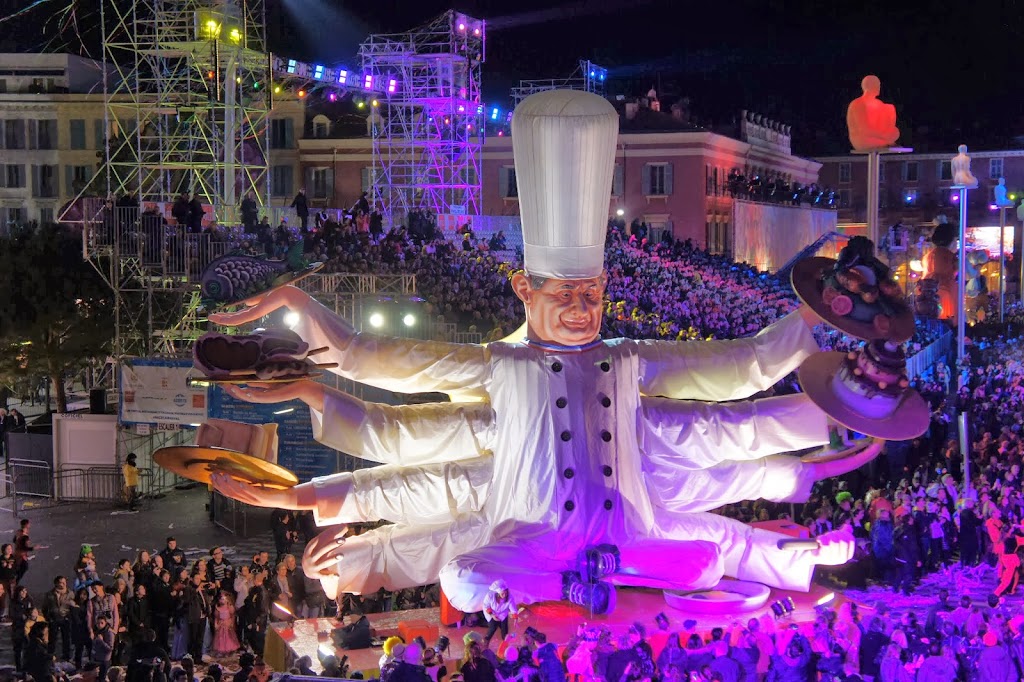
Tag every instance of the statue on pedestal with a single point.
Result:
(870, 121)
(940, 267)
(961, 166)
(999, 194)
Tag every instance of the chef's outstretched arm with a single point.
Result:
(727, 370)
(688, 434)
(390, 363)
(436, 493)
(404, 435)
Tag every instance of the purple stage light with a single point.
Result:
(954, 197)
(342, 76)
(368, 81)
(392, 85)
(462, 27)
(332, 97)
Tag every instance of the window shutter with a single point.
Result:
(617, 180)
(3, 134)
(287, 181)
(668, 179)
(97, 129)
(330, 183)
(308, 182)
(33, 131)
(364, 179)
(647, 180)
(35, 181)
(503, 182)
(289, 133)
(69, 180)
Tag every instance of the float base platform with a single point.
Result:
(286, 643)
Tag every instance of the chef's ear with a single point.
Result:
(522, 287)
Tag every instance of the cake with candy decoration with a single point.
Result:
(873, 380)
(856, 293)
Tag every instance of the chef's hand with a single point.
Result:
(309, 392)
(834, 548)
(300, 498)
(290, 297)
(321, 556)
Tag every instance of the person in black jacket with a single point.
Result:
(908, 555)
(19, 610)
(161, 606)
(39, 662)
(197, 613)
(146, 657)
(79, 619)
(969, 527)
(301, 206)
(872, 647)
(172, 557)
(136, 616)
(196, 212)
(250, 212)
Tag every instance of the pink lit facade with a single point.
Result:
(673, 181)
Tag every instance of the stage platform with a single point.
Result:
(558, 620)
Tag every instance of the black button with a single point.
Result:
(570, 505)
(605, 367)
(606, 401)
(606, 436)
(608, 504)
(566, 436)
(606, 470)
(568, 473)
(556, 366)
(561, 402)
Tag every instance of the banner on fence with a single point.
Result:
(156, 391)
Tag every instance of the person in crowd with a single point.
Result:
(130, 472)
(22, 548)
(301, 206)
(499, 606)
(172, 556)
(57, 610)
(102, 645)
(225, 639)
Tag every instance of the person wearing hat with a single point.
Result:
(556, 467)
(499, 606)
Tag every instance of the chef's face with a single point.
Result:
(566, 312)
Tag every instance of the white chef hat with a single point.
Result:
(564, 147)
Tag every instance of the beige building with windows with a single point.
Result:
(51, 132)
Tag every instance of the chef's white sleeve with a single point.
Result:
(436, 493)
(688, 434)
(406, 435)
(391, 363)
(725, 370)
(777, 478)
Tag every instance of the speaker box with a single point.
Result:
(97, 401)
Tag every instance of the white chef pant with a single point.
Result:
(534, 575)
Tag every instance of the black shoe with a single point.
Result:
(596, 597)
(598, 562)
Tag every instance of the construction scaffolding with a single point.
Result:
(429, 125)
(588, 77)
(188, 100)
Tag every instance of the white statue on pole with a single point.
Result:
(999, 194)
(572, 464)
(961, 167)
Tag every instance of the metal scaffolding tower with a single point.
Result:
(188, 101)
(588, 77)
(430, 122)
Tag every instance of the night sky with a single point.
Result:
(949, 68)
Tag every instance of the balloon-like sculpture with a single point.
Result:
(871, 123)
(567, 464)
(999, 194)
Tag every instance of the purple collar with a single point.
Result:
(556, 348)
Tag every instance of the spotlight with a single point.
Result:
(292, 65)
(501, 133)
(593, 74)
(318, 72)
(917, 266)
(277, 89)
(476, 31)
(332, 97)
(235, 35)
(462, 27)
(375, 103)
(376, 320)
(368, 81)
(360, 104)
(291, 319)
(620, 213)
(409, 320)
(342, 76)
(955, 197)
(495, 113)
(392, 85)
(238, 79)
(1013, 197)
(302, 93)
